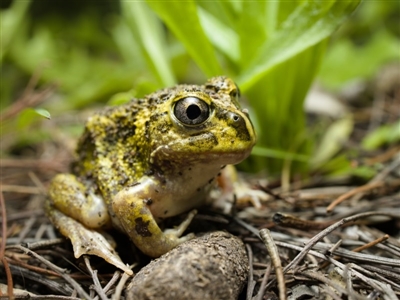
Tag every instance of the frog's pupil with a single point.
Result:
(193, 111)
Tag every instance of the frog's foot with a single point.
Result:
(233, 187)
(86, 241)
(138, 222)
(179, 230)
(245, 194)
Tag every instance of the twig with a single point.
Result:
(60, 271)
(120, 287)
(44, 243)
(24, 214)
(328, 230)
(371, 244)
(320, 277)
(97, 285)
(330, 293)
(351, 294)
(3, 225)
(50, 297)
(387, 170)
(276, 261)
(26, 229)
(21, 189)
(290, 221)
(49, 282)
(3, 247)
(360, 189)
(377, 181)
(27, 101)
(48, 165)
(250, 282)
(335, 246)
(385, 156)
(393, 284)
(358, 256)
(112, 281)
(263, 286)
(358, 249)
(383, 271)
(38, 183)
(250, 228)
(38, 270)
(373, 283)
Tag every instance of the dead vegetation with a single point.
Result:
(322, 239)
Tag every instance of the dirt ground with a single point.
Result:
(323, 238)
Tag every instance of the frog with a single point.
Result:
(149, 159)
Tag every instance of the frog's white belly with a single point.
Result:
(179, 193)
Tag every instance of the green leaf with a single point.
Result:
(29, 116)
(42, 112)
(277, 101)
(182, 19)
(308, 25)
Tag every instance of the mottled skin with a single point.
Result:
(146, 160)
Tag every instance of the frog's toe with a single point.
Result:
(86, 241)
(187, 237)
(94, 243)
(178, 231)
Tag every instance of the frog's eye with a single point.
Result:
(191, 111)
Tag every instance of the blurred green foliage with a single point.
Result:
(93, 50)
(370, 39)
(385, 134)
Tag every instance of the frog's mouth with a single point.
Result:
(205, 148)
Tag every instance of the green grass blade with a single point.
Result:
(252, 28)
(182, 19)
(10, 21)
(150, 33)
(272, 153)
(224, 38)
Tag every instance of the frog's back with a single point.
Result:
(111, 152)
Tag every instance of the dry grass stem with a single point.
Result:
(276, 262)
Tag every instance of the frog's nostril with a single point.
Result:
(239, 124)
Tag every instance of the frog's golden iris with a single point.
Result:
(146, 160)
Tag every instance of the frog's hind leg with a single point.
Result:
(76, 215)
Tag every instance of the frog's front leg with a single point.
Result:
(77, 212)
(131, 207)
